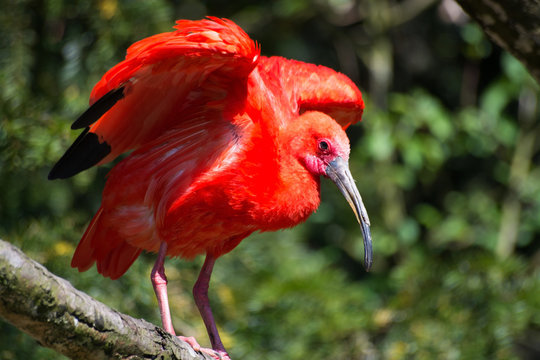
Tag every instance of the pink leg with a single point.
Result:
(200, 293)
(159, 281)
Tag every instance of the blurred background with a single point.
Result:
(447, 159)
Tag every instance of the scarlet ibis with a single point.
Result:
(224, 142)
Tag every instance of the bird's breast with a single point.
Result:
(277, 202)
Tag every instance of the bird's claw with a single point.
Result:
(191, 341)
(216, 354)
(221, 355)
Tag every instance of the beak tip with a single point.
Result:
(368, 261)
(368, 247)
(367, 264)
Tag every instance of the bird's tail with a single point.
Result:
(103, 245)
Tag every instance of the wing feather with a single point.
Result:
(316, 88)
(99, 108)
(164, 80)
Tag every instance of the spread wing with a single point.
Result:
(313, 87)
(164, 80)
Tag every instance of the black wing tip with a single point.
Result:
(97, 109)
(84, 153)
(54, 174)
(87, 150)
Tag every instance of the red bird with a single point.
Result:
(224, 142)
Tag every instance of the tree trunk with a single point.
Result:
(512, 24)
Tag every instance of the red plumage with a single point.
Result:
(224, 142)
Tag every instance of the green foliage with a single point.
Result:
(447, 161)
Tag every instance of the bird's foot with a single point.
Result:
(216, 354)
(219, 355)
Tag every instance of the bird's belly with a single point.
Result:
(203, 222)
(209, 235)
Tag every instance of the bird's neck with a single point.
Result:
(302, 192)
(287, 193)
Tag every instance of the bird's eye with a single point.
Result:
(323, 145)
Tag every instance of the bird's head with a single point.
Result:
(323, 149)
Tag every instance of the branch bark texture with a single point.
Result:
(512, 24)
(60, 317)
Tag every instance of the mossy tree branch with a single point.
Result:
(60, 317)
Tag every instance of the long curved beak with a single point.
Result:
(338, 171)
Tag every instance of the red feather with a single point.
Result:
(224, 143)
